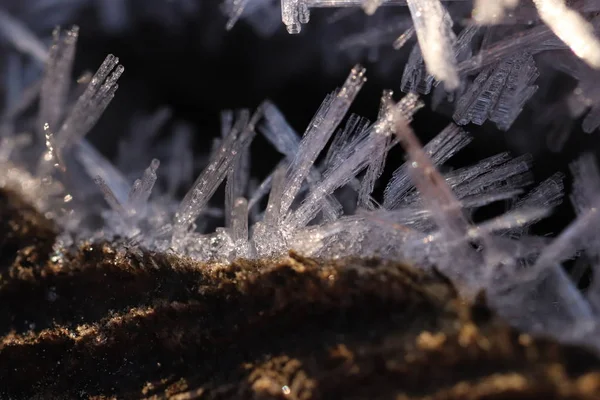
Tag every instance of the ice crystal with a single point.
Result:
(490, 73)
(498, 93)
(433, 26)
(571, 28)
(492, 12)
(489, 76)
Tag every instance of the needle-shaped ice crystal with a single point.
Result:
(447, 143)
(234, 10)
(445, 209)
(571, 28)
(57, 78)
(319, 132)
(21, 37)
(91, 104)
(492, 12)
(209, 180)
(433, 26)
(290, 10)
(128, 211)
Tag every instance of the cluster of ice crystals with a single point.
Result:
(498, 93)
(546, 301)
(489, 71)
(320, 197)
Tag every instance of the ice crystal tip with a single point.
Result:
(404, 38)
(433, 27)
(370, 6)
(91, 104)
(492, 12)
(571, 28)
(154, 165)
(354, 83)
(290, 15)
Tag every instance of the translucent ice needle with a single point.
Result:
(278, 131)
(239, 175)
(359, 153)
(460, 261)
(405, 37)
(431, 184)
(571, 28)
(283, 137)
(549, 193)
(510, 220)
(13, 78)
(21, 37)
(52, 155)
(290, 15)
(408, 106)
(266, 234)
(109, 196)
(209, 180)
(486, 12)
(125, 214)
(440, 149)
(95, 164)
(234, 9)
(570, 240)
(273, 211)
(318, 133)
(141, 189)
(91, 104)
(26, 98)
(370, 6)
(433, 26)
(57, 77)
(523, 40)
(586, 192)
(239, 226)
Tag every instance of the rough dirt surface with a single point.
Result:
(106, 323)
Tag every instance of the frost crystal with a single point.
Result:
(433, 26)
(317, 135)
(57, 80)
(492, 12)
(498, 93)
(209, 180)
(489, 71)
(571, 28)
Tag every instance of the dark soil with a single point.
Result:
(104, 323)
